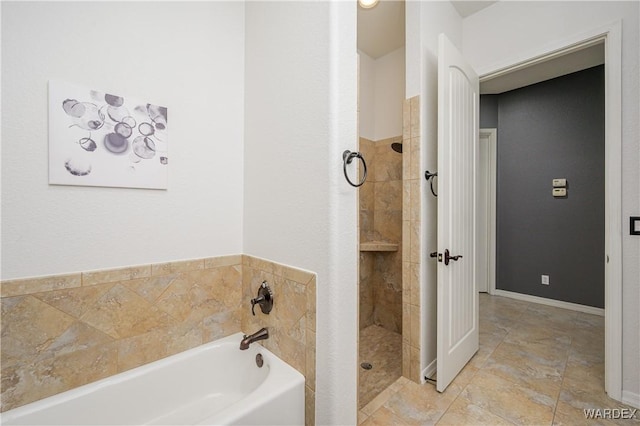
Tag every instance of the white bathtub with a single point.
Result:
(213, 384)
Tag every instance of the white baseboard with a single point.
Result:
(429, 370)
(630, 398)
(550, 302)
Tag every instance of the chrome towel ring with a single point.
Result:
(430, 176)
(347, 158)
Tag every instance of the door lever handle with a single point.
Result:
(448, 257)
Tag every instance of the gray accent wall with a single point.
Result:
(553, 129)
(489, 111)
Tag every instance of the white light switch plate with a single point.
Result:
(559, 183)
(559, 192)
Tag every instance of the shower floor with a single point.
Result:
(383, 349)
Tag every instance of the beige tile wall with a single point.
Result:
(411, 239)
(366, 191)
(387, 224)
(380, 200)
(366, 210)
(291, 323)
(366, 288)
(60, 332)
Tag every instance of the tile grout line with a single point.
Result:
(563, 371)
(482, 368)
(501, 342)
(566, 362)
(469, 383)
(453, 401)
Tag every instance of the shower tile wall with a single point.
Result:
(411, 257)
(292, 327)
(381, 221)
(60, 332)
(366, 194)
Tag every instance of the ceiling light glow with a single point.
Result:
(367, 4)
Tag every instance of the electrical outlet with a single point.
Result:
(545, 279)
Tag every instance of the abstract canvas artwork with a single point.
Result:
(104, 139)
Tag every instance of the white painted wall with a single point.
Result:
(413, 57)
(425, 21)
(389, 94)
(294, 206)
(367, 96)
(381, 91)
(300, 104)
(507, 30)
(186, 56)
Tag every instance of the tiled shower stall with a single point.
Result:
(389, 308)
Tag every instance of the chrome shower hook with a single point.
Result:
(347, 158)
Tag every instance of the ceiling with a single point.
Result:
(381, 29)
(467, 8)
(563, 63)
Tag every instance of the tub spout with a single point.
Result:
(261, 334)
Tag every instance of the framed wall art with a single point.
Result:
(106, 139)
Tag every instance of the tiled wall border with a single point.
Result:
(411, 213)
(24, 286)
(47, 327)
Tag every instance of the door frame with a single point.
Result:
(611, 35)
(490, 241)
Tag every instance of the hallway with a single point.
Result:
(536, 365)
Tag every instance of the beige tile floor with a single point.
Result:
(383, 349)
(536, 365)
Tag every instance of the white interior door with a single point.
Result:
(458, 130)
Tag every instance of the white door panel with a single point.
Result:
(458, 130)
